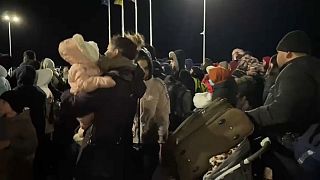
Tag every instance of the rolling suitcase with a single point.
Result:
(210, 131)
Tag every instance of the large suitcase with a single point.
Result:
(210, 131)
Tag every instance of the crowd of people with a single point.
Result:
(109, 116)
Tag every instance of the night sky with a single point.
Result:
(255, 25)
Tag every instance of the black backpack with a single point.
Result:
(180, 97)
(306, 148)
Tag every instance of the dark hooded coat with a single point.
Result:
(32, 96)
(182, 74)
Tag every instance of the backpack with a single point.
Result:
(180, 97)
(307, 148)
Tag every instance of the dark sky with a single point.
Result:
(255, 25)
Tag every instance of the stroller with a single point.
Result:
(237, 166)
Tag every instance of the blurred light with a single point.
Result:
(11, 18)
(6, 18)
(16, 19)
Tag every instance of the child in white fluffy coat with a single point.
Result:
(84, 75)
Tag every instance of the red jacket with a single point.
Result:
(207, 83)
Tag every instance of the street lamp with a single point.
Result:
(204, 32)
(10, 19)
(151, 29)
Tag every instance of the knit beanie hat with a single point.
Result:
(295, 41)
(12, 97)
(189, 64)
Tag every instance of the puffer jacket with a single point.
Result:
(84, 74)
(86, 78)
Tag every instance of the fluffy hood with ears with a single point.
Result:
(77, 51)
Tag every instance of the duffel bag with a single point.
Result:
(210, 131)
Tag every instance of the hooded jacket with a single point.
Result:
(4, 83)
(47, 63)
(154, 110)
(57, 85)
(84, 74)
(32, 97)
(179, 57)
(181, 73)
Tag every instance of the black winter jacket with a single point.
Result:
(114, 109)
(294, 101)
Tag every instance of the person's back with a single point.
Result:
(227, 89)
(29, 58)
(118, 109)
(180, 101)
(35, 100)
(186, 79)
(32, 97)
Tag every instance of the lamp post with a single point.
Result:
(10, 19)
(204, 32)
(150, 31)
